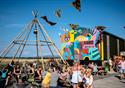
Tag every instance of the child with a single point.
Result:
(88, 79)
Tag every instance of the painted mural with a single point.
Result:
(81, 43)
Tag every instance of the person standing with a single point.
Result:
(76, 75)
(46, 81)
(88, 83)
(4, 75)
(122, 70)
(110, 64)
(54, 78)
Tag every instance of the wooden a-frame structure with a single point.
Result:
(22, 41)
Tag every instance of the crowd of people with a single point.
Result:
(54, 75)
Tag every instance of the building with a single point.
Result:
(111, 45)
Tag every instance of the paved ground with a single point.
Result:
(109, 82)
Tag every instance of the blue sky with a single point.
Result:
(15, 14)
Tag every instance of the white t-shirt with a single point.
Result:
(122, 64)
(76, 77)
(89, 81)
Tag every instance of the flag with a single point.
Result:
(77, 5)
(49, 22)
(58, 13)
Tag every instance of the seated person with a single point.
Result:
(38, 74)
(31, 76)
(17, 72)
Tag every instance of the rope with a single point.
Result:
(36, 39)
(40, 51)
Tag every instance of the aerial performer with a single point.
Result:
(47, 21)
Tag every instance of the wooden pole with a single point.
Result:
(40, 47)
(43, 29)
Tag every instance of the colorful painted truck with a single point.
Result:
(80, 44)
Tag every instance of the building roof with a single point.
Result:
(113, 35)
